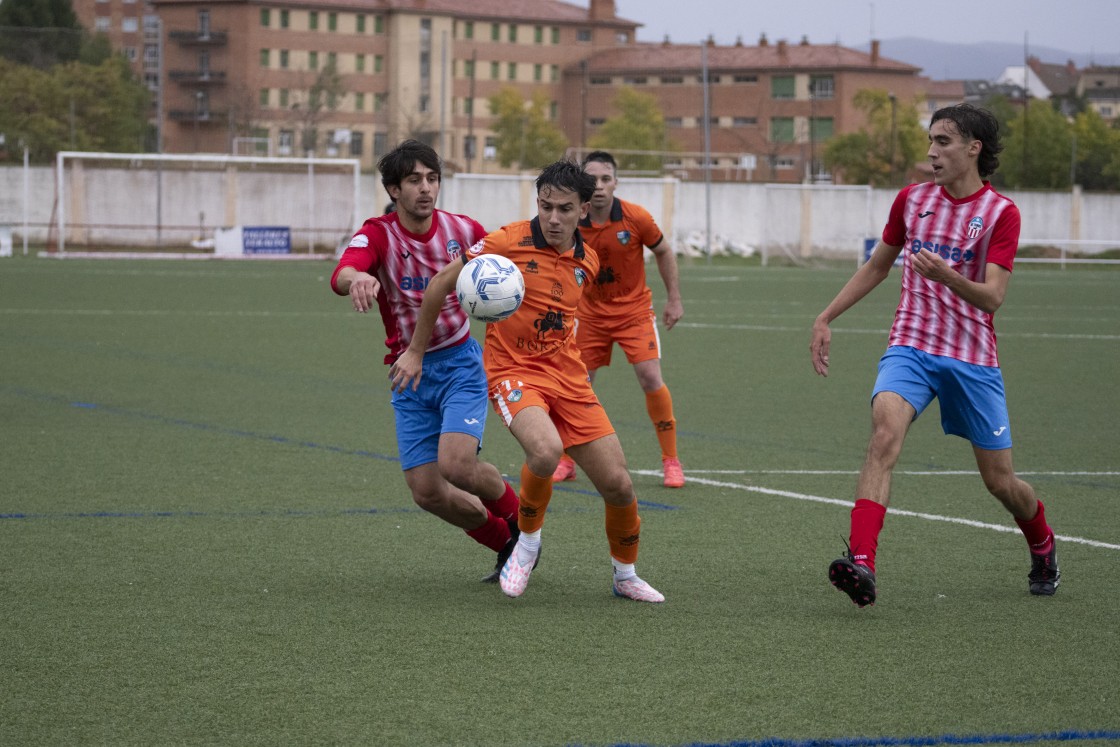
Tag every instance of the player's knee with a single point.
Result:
(459, 472)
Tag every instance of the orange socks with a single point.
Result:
(623, 530)
(536, 492)
(659, 405)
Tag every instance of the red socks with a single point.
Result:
(867, 522)
(493, 534)
(1039, 536)
(506, 506)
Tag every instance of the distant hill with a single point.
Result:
(979, 61)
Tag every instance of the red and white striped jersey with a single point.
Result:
(404, 263)
(968, 234)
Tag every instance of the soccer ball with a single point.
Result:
(490, 288)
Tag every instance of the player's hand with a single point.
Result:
(818, 346)
(931, 266)
(363, 291)
(673, 312)
(406, 370)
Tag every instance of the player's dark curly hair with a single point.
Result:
(400, 161)
(974, 123)
(568, 176)
(599, 156)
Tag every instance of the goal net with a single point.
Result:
(135, 203)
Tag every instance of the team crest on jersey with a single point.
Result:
(532, 267)
(623, 237)
(514, 396)
(581, 276)
(360, 241)
(975, 227)
(454, 249)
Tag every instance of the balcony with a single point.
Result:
(198, 77)
(207, 116)
(199, 38)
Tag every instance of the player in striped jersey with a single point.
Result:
(958, 238)
(439, 424)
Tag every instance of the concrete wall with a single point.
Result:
(120, 208)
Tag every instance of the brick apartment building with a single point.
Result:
(238, 76)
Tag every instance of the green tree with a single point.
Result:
(1037, 149)
(323, 96)
(1096, 151)
(525, 132)
(892, 130)
(72, 107)
(41, 33)
(639, 126)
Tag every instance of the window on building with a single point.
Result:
(204, 23)
(555, 73)
(513, 33)
(380, 144)
(313, 60)
(495, 70)
(490, 150)
(379, 101)
(356, 144)
(129, 53)
(538, 73)
(600, 80)
(745, 79)
(266, 17)
(284, 55)
(821, 87)
(672, 80)
(285, 98)
(495, 32)
(597, 121)
(781, 87)
(379, 24)
(712, 79)
(744, 121)
(555, 34)
(511, 71)
(378, 63)
(622, 37)
(821, 128)
(469, 144)
(674, 121)
(360, 24)
(468, 106)
(781, 129)
(285, 140)
(102, 24)
(332, 60)
(554, 110)
(263, 97)
(130, 24)
(468, 68)
(285, 19)
(313, 21)
(468, 30)
(360, 63)
(784, 163)
(266, 54)
(359, 102)
(538, 34)
(583, 35)
(332, 21)
(634, 80)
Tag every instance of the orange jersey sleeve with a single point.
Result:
(620, 287)
(538, 337)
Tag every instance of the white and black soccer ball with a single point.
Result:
(490, 288)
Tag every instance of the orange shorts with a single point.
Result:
(636, 335)
(578, 416)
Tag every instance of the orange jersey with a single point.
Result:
(538, 338)
(620, 287)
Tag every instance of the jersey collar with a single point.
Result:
(540, 242)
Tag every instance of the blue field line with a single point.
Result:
(1071, 735)
(240, 433)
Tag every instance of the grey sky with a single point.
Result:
(1073, 25)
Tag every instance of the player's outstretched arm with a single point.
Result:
(407, 369)
(360, 286)
(865, 279)
(670, 275)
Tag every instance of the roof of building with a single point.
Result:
(1059, 78)
(943, 89)
(654, 56)
(544, 11)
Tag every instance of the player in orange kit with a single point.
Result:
(538, 383)
(618, 307)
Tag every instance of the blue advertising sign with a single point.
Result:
(266, 239)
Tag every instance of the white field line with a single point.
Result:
(894, 511)
(921, 473)
(881, 331)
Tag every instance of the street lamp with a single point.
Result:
(894, 125)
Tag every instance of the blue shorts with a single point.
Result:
(451, 398)
(972, 400)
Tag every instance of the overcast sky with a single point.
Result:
(1072, 25)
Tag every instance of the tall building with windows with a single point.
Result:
(353, 77)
